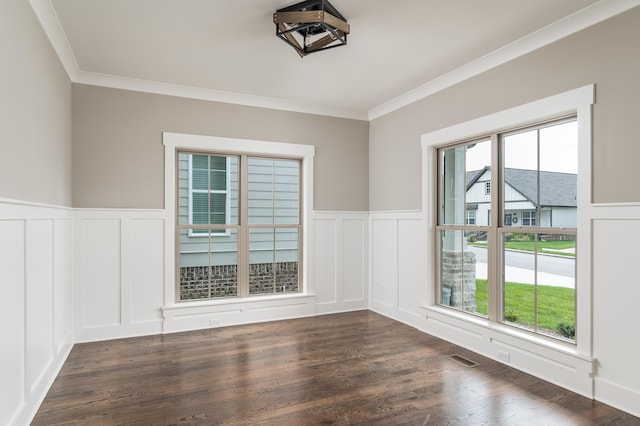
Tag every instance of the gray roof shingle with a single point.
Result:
(556, 189)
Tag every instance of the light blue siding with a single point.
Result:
(273, 189)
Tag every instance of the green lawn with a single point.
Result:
(555, 304)
(542, 245)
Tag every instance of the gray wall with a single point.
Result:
(606, 54)
(35, 112)
(119, 157)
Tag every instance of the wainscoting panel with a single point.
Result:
(384, 261)
(616, 296)
(62, 278)
(13, 355)
(325, 260)
(354, 260)
(39, 255)
(100, 274)
(36, 329)
(398, 258)
(147, 249)
(340, 261)
(119, 273)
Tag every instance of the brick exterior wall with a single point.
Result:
(194, 280)
(458, 273)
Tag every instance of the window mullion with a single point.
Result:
(494, 287)
(243, 233)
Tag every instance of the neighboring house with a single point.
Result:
(558, 198)
(208, 193)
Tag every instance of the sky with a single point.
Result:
(558, 150)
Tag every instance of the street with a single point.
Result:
(519, 266)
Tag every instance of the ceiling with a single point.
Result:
(228, 51)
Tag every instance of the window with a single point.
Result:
(229, 248)
(208, 190)
(471, 217)
(534, 281)
(529, 218)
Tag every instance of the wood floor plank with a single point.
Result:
(355, 368)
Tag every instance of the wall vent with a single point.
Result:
(464, 361)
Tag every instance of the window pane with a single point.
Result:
(208, 266)
(520, 176)
(273, 260)
(556, 285)
(207, 190)
(286, 260)
(520, 291)
(286, 192)
(540, 173)
(476, 253)
(274, 191)
(458, 270)
(558, 175)
(465, 181)
(539, 290)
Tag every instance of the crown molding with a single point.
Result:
(591, 15)
(52, 27)
(571, 24)
(169, 89)
(46, 14)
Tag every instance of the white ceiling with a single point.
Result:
(228, 51)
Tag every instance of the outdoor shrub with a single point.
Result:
(471, 238)
(567, 329)
(510, 315)
(520, 236)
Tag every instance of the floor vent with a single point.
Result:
(462, 360)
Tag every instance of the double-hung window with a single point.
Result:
(519, 267)
(239, 225)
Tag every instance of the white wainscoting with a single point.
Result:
(340, 261)
(400, 287)
(36, 321)
(119, 273)
(397, 252)
(616, 299)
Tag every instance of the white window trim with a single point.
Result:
(227, 192)
(578, 101)
(174, 142)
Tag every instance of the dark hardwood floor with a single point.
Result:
(351, 368)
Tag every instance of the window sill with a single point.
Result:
(229, 301)
(495, 330)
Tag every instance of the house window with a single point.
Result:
(471, 217)
(209, 178)
(535, 167)
(487, 188)
(227, 247)
(528, 218)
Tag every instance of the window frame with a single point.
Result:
(496, 249)
(174, 142)
(577, 102)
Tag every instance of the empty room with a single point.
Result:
(313, 212)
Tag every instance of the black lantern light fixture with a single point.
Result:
(311, 26)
